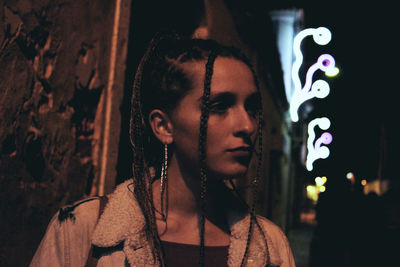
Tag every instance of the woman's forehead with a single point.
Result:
(228, 73)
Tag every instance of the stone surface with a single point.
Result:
(54, 62)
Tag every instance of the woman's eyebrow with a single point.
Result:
(254, 96)
(221, 95)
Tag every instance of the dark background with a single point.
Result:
(363, 95)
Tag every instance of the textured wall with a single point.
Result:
(54, 64)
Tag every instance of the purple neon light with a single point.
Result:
(324, 62)
(325, 138)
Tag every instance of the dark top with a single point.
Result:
(185, 255)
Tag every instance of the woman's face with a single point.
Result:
(232, 123)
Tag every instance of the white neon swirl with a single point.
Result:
(317, 150)
(321, 36)
(325, 63)
(319, 89)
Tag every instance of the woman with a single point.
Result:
(196, 116)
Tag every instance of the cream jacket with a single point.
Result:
(118, 235)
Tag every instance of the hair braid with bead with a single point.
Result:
(254, 184)
(205, 109)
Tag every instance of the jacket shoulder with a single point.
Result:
(84, 206)
(278, 239)
(68, 236)
(268, 225)
(273, 231)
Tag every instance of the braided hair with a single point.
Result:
(160, 83)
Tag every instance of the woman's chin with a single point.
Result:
(234, 173)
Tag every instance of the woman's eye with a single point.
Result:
(219, 107)
(253, 110)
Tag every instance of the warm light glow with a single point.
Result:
(312, 192)
(325, 63)
(315, 149)
(377, 186)
(311, 188)
(320, 181)
(332, 72)
(363, 182)
(319, 187)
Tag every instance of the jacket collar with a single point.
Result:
(123, 221)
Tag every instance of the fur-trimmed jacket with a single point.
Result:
(119, 238)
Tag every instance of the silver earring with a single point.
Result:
(163, 178)
(164, 168)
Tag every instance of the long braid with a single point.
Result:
(142, 186)
(254, 184)
(205, 109)
(260, 161)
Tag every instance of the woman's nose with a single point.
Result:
(245, 123)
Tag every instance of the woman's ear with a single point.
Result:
(161, 125)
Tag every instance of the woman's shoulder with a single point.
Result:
(264, 227)
(274, 232)
(277, 239)
(269, 226)
(122, 215)
(268, 236)
(67, 236)
(72, 230)
(86, 209)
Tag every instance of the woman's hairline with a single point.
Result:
(192, 75)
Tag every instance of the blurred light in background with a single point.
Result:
(377, 187)
(314, 190)
(320, 181)
(287, 25)
(350, 176)
(312, 193)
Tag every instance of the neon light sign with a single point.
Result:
(316, 150)
(325, 63)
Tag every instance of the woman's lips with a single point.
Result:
(239, 153)
(244, 151)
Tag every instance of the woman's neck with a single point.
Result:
(182, 214)
(182, 191)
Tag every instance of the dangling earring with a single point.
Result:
(163, 179)
(164, 167)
